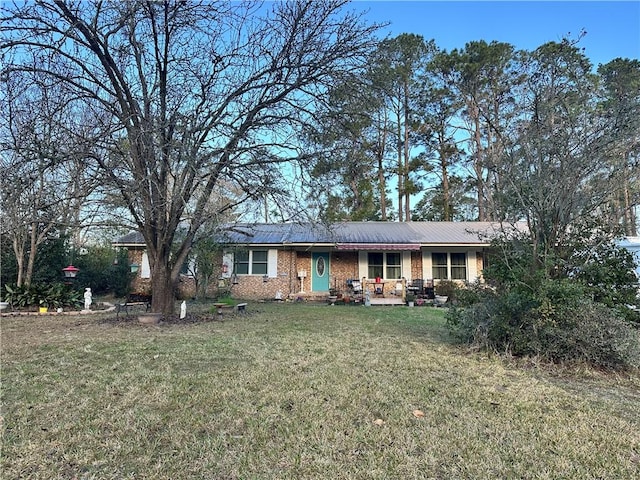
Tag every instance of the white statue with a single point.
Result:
(183, 309)
(87, 298)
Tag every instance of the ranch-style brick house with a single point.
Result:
(293, 260)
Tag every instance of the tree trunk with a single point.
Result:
(380, 152)
(163, 289)
(31, 261)
(383, 190)
(165, 266)
(482, 212)
(18, 250)
(446, 200)
(400, 183)
(629, 212)
(405, 167)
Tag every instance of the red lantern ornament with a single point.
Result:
(70, 271)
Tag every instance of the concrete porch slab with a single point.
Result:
(387, 301)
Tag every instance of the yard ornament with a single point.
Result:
(87, 298)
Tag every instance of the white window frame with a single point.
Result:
(364, 263)
(465, 266)
(272, 262)
(467, 269)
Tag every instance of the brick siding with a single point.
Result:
(343, 266)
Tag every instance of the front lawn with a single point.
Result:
(294, 391)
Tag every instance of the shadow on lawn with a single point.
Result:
(190, 319)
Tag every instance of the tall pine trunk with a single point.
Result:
(400, 177)
(382, 184)
(477, 165)
(405, 167)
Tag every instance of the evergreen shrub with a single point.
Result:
(555, 309)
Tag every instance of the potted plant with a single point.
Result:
(43, 306)
(440, 300)
(446, 290)
(410, 299)
(149, 318)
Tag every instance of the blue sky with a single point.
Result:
(613, 27)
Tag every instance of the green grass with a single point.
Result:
(300, 392)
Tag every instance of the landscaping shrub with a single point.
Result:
(594, 334)
(448, 288)
(49, 261)
(570, 305)
(102, 268)
(474, 293)
(42, 295)
(608, 274)
(99, 271)
(498, 322)
(557, 322)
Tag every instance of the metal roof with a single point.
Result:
(378, 246)
(357, 235)
(131, 239)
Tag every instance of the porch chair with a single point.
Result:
(356, 288)
(429, 290)
(417, 286)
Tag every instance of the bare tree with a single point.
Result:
(184, 92)
(44, 187)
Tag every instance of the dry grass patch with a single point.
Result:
(299, 391)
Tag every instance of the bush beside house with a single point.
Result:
(581, 314)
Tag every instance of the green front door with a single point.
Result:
(320, 274)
